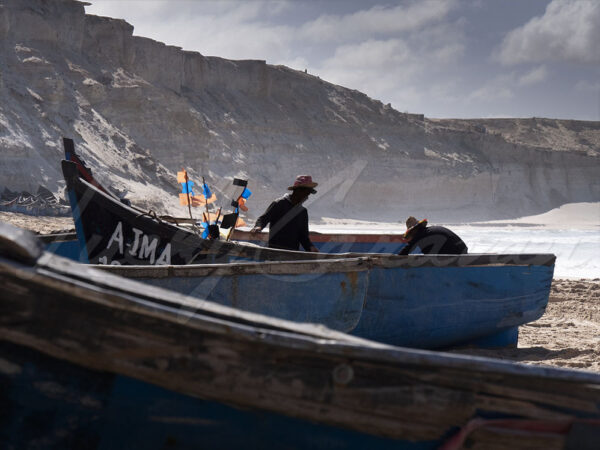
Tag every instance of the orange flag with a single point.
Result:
(182, 176)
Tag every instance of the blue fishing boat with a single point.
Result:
(89, 359)
(422, 301)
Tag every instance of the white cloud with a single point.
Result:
(373, 67)
(499, 88)
(370, 53)
(377, 21)
(534, 76)
(389, 69)
(569, 30)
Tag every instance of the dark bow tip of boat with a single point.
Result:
(19, 244)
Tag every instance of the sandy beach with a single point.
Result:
(567, 335)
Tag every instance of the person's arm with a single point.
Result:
(263, 220)
(408, 247)
(304, 239)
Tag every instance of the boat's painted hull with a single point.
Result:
(462, 306)
(479, 305)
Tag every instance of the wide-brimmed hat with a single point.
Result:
(412, 226)
(303, 181)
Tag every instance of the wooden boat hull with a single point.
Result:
(424, 301)
(66, 405)
(54, 310)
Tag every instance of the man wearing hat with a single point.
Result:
(431, 240)
(288, 219)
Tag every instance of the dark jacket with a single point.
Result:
(435, 240)
(288, 225)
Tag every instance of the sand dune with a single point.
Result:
(571, 215)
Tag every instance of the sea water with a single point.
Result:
(577, 251)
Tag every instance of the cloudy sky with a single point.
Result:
(443, 58)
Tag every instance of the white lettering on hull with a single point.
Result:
(143, 247)
(117, 237)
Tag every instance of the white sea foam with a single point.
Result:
(571, 232)
(577, 251)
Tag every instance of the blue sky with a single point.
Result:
(442, 58)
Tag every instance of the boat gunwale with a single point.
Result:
(301, 267)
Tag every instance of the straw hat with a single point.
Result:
(413, 225)
(303, 181)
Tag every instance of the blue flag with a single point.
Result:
(206, 191)
(205, 232)
(186, 188)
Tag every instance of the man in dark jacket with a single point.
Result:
(288, 219)
(431, 240)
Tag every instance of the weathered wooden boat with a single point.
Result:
(337, 242)
(88, 359)
(424, 301)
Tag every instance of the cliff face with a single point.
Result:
(139, 110)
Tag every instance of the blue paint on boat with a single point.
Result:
(469, 305)
(49, 403)
(83, 253)
(404, 307)
(509, 337)
(67, 249)
(332, 299)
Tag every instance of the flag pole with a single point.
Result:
(187, 190)
(205, 199)
(237, 214)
